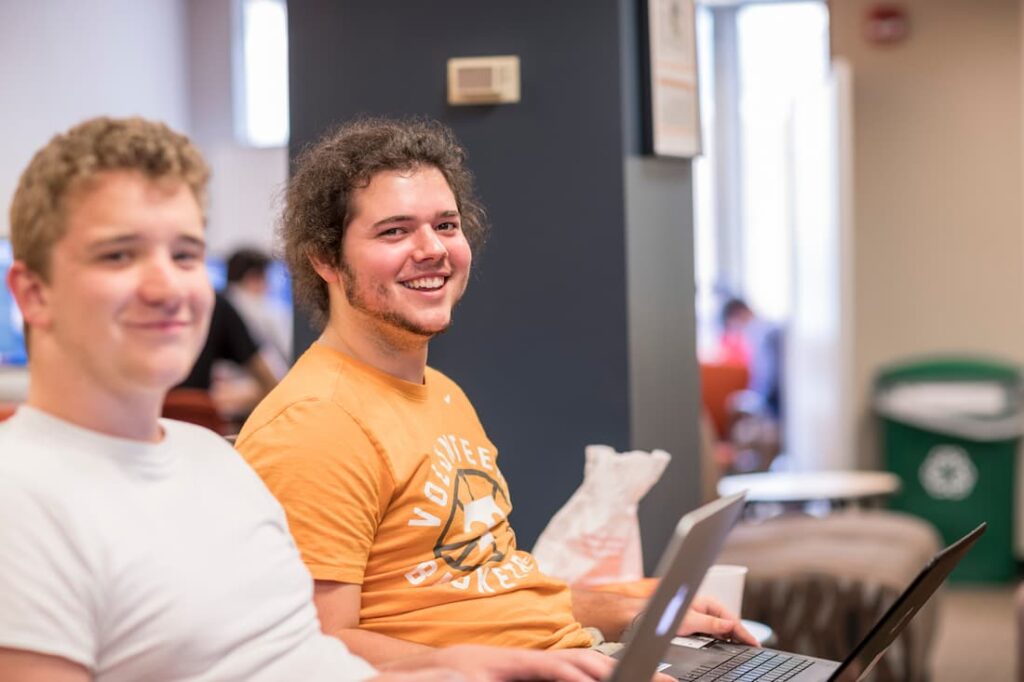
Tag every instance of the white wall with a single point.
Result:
(65, 60)
(245, 180)
(62, 61)
(939, 233)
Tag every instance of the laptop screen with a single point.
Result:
(697, 540)
(871, 648)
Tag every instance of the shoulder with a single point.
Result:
(205, 451)
(314, 438)
(439, 381)
(194, 441)
(305, 419)
(318, 398)
(36, 467)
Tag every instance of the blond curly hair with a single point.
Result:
(70, 162)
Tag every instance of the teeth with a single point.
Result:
(425, 283)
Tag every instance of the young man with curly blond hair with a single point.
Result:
(132, 547)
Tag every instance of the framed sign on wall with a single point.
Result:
(673, 118)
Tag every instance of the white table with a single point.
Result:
(836, 487)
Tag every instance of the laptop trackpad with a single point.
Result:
(684, 660)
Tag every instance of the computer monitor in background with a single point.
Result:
(217, 269)
(280, 285)
(12, 336)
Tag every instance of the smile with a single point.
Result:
(160, 325)
(425, 283)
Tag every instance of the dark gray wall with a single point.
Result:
(541, 342)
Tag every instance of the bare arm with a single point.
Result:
(500, 664)
(338, 607)
(17, 665)
(609, 612)
(612, 613)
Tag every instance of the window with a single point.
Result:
(261, 73)
(754, 61)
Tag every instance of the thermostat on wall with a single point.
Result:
(483, 80)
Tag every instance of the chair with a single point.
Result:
(822, 583)
(195, 406)
(745, 438)
(718, 383)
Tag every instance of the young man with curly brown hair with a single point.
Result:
(392, 488)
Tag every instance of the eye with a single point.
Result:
(116, 257)
(187, 258)
(447, 226)
(392, 232)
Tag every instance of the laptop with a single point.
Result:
(696, 542)
(699, 659)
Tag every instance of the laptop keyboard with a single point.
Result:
(750, 665)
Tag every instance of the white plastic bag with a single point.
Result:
(595, 538)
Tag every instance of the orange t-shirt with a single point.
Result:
(395, 486)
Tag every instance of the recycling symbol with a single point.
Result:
(948, 473)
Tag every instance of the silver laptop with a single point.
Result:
(696, 542)
(717, 660)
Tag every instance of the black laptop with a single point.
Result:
(706, 660)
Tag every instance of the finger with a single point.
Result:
(705, 624)
(583, 664)
(741, 634)
(713, 607)
(662, 677)
(556, 666)
(593, 663)
(722, 628)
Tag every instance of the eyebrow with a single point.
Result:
(124, 239)
(407, 218)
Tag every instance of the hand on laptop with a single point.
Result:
(708, 616)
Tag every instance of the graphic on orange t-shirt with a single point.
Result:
(395, 486)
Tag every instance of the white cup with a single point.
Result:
(724, 582)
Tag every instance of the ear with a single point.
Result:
(31, 293)
(328, 273)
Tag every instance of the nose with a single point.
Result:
(429, 245)
(160, 282)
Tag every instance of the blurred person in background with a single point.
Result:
(229, 347)
(754, 434)
(270, 324)
(755, 343)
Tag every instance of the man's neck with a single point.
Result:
(73, 397)
(404, 359)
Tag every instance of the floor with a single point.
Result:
(977, 636)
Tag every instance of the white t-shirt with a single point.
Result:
(165, 561)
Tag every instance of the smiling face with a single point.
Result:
(405, 261)
(128, 301)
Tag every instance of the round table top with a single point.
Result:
(810, 485)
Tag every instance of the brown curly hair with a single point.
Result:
(70, 162)
(318, 200)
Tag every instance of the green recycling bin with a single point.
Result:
(950, 429)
